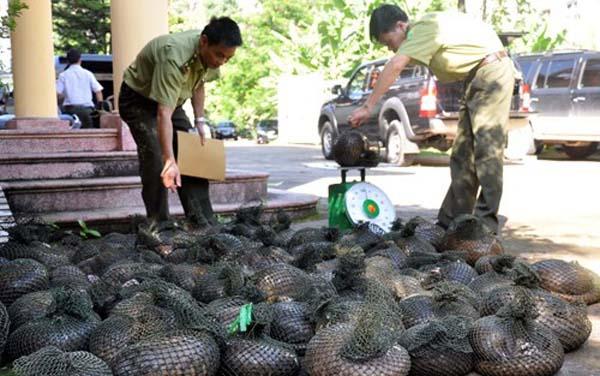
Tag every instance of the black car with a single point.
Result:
(417, 111)
(226, 129)
(266, 131)
(565, 91)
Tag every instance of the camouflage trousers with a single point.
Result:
(140, 113)
(476, 162)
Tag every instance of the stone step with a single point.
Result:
(45, 141)
(33, 197)
(297, 205)
(35, 166)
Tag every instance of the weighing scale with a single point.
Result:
(356, 202)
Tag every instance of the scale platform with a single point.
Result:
(355, 202)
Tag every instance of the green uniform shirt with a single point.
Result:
(168, 69)
(450, 43)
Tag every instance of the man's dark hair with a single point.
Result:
(383, 20)
(73, 56)
(223, 30)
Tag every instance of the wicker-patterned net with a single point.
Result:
(4, 328)
(440, 347)
(51, 361)
(257, 357)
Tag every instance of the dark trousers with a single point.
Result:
(140, 113)
(84, 114)
(476, 162)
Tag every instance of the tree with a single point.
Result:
(82, 24)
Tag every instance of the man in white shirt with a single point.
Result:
(76, 84)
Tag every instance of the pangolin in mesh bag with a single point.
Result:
(68, 327)
(348, 148)
(46, 254)
(456, 271)
(448, 299)
(469, 233)
(227, 309)
(362, 236)
(119, 331)
(310, 234)
(367, 348)
(69, 276)
(220, 280)
(427, 231)
(409, 242)
(20, 277)
(263, 257)
(257, 357)
(291, 323)
(382, 269)
(4, 328)
(567, 321)
(179, 353)
(487, 282)
(29, 230)
(390, 250)
(51, 361)
(511, 343)
(498, 263)
(307, 255)
(569, 280)
(337, 310)
(31, 307)
(440, 347)
(183, 275)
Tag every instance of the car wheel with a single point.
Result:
(235, 138)
(580, 150)
(327, 140)
(394, 151)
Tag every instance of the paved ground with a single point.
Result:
(550, 206)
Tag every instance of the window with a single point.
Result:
(526, 66)
(408, 72)
(559, 73)
(591, 74)
(356, 87)
(540, 82)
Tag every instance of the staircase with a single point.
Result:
(63, 176)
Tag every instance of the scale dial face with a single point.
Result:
(367, 203)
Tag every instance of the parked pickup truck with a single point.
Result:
(416, 112)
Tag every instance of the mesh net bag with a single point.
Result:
(362, 236)
(382, 269)
(337, 310)
(348, 148)
(291, 323)
(69, 276)
(306, 256)
(51, 361)
(570, 281)
(227, 309)
(456, 271)
(30, 307)
(4, 328)
(28, 230)
(427, 231)
(488, 263)
(20, 277)
(511, 343)
(309, 235)
(411, 243)
(263, 257)
(378, 328)
(440, 347)
(487, 282)
(67, 327)
(183, 352)
(391, 251)
(40, 252)
(323, 356)
(469, 233)
(258, 357)
(221, 280)
(568, 322)
(183, 275)
(282, 282)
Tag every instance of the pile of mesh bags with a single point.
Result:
(254, 297)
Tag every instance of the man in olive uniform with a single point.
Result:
(169, 70)
(455, 47)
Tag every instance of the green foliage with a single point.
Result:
(82, 24)
(86, 232)
(8, 22)
(543, 42)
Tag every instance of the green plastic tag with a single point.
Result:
(243, 320)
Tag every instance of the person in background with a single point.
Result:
(75, 86)
(167, 72)
(456, 47)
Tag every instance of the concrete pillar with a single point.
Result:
(133, 24)
(33, 66)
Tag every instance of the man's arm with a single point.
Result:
(99, 96)
(387, 77)
(198, 106)
(170, 173)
